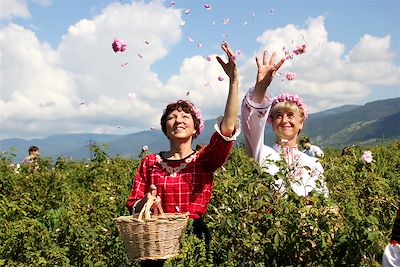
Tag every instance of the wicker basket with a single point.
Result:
(152, 237)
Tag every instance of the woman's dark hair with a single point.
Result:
(33, 149)
(180, 105)
(304, 139)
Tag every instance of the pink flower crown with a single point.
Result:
(196, 111)
(294, 99)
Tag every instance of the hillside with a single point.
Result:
(337, 127)
(322, 128)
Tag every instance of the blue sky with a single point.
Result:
(60, 75)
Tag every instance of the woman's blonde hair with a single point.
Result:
(285, 107)
(287, 102)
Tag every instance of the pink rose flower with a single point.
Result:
(118, 45)
(367, 157)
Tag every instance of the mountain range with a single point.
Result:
(338, 127)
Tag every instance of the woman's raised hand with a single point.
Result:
(231, 108)
(230, 67)
(266, 71)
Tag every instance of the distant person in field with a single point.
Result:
(391, 254)
(286, 113)
(33, 156)
(310, 149)
(182, 176)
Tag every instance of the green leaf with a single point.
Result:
(276, 240)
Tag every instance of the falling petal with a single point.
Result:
(145, 148)
(287, 53)
(187, 11)
(290, 76)
(199, 45)
(207, 84)
(213, 24)
(220, 78)
(207, 6)
(183, 23)
(272, 11)
(238, 52)
(119, 126)
(225, 34)
(123, 65)
(132, 96)
(253, 15)
(146, 42)
(208, 58)
(226, 21)
(190, 39)
(245, 23)
(171, 3)
(187, 93)
(300, 49)
(282, 76)
(152, 128)
(140, 55)
(83, 102)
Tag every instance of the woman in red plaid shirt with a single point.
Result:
(182, 176)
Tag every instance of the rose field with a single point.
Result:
(63, 214)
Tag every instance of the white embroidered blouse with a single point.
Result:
(305, 171)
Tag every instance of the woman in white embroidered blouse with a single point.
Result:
(286, 113)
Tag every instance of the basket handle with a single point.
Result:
(146, 210)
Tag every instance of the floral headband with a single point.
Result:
(294, 99)
(196, 111)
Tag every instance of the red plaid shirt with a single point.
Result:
(190, 189)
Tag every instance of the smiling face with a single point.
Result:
(182, 114)
(179, 125)
(287, 121)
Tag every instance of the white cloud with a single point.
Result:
(10, 9)
(326, 77)
(32, 85)
(43, 90)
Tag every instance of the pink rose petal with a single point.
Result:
(132, 96)
(226, 21)
(290, 76)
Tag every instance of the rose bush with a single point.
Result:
(62, 215)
